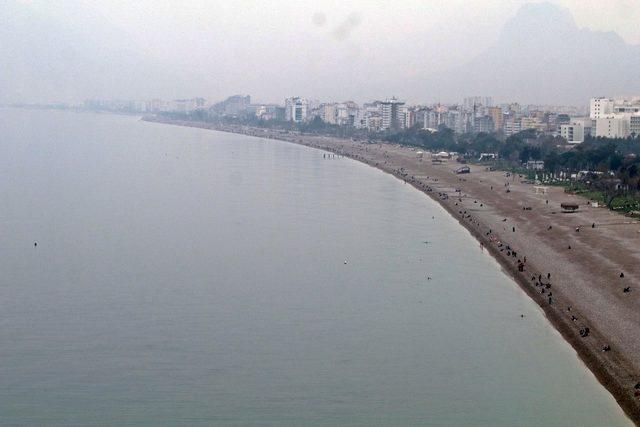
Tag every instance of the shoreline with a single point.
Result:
(512, 217)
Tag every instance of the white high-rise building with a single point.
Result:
(613, 126)
(392, 117)
(612, 118)
(371, 116)
(573, 133)
(342, 115)
(511, 126)
(295, 109)
(328, 113)
(434, 118)
(634, 125)
(599, 107)
(576, 131)
(360, 118)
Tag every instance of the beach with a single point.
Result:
(575, 266)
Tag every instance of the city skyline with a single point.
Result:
(603, 116)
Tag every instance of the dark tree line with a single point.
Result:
(611, 159)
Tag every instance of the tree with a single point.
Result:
(530, 152)
(611, 190)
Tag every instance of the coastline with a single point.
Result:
(584, 279)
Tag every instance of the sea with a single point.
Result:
(153, 274)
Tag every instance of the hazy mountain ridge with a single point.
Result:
(542, 57)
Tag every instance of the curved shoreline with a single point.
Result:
(616, 370)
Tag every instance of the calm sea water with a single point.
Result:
(184, 276)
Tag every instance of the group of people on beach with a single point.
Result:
(540, 282)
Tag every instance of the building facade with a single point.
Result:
(634, 125)
(392, 114)
(613, 126)
(296, 109)
(600, 107)
(573, 133)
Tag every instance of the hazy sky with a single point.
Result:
(71, 50)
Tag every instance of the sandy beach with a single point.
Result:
(574, 265)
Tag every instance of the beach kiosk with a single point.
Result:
(569, 207)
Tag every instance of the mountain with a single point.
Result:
(542, 57)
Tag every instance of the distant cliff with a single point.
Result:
(542, 57)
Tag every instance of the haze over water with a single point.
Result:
(188, 276)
